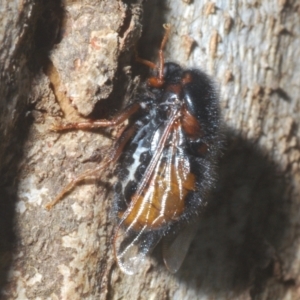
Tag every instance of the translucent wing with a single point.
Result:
(131, 248)
(158, 201)
(176, 247)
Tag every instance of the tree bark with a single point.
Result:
(73, 61)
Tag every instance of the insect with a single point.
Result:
(165, 162)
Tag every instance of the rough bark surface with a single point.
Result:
(66, 62)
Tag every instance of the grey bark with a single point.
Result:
(66, 62)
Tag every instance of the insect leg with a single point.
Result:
(167, 27)
(145, 62)
(118, 119)
(157, 81)
(112, 157)
(152, 65)
(71, 185)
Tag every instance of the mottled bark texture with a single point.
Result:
(66, 61)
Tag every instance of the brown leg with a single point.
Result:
(72, 184)
(152, 65)
(167, 27)
(145, 62)
(118, 119)
(113, 157)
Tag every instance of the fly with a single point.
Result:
(164, 161)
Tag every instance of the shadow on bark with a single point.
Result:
(243, 225)
(42, 32)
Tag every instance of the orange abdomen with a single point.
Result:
(163, 200)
